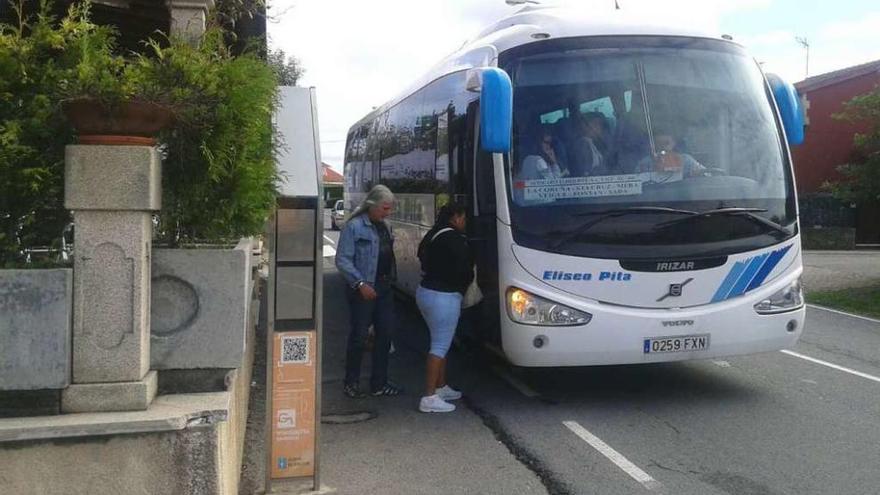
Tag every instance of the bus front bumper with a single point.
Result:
(621, 336)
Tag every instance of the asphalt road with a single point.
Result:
(764, 424)
(330, 238)
(774, 423)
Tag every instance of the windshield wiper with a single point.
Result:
(732, 211)
(606, 214)
(636, 209)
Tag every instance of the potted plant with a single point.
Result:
(128, 122)
(109, 101)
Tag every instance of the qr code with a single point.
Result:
(295, 350)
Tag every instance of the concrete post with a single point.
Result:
(112, 191)
(188, 17)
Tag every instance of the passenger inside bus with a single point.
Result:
(669, 164)
(589, 149)
(542, 160)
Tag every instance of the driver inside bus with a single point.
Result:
(668, 164)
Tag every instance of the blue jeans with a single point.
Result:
(379, 313)
(441, 311)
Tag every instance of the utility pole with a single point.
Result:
(802, 40)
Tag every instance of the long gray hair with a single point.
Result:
(378, 194)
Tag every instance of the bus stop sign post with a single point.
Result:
(293, 370)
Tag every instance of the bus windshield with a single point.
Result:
(623, 147)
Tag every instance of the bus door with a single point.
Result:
(482, 227)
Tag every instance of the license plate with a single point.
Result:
(681, 343)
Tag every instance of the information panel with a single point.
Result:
(293, 405)
(295, 297)
(579, 187)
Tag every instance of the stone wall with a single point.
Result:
(35, 329)
(169, 463)
(200, 305)
(184, 444)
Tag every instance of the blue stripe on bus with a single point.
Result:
(768, 267)
(740, 287)
(731, 278)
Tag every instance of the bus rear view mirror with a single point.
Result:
(496, 107)
(790, 109)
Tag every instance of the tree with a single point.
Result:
(233, 10)
(288, 69)
(861, 176)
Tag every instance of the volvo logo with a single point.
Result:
(675, 289)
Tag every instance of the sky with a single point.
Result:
(358, 54)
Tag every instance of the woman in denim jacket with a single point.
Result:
(365, 257)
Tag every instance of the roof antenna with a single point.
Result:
(520, 2)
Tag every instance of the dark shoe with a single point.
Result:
(352, 391)
(388, 389)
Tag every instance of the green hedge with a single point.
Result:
(35, 63)
(219, 177)
(833, 238)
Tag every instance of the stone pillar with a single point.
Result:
(112, 191)
(188, 17)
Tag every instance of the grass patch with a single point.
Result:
(864, 301)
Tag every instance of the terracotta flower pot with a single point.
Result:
(131, 122)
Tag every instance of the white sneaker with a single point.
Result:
(448, 393)
(433, 403)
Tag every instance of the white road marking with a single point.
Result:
(331, 241)
(515, 382)
(721, 364)
(329, 251)
(823, 308)
(832, 365)
(614, 456)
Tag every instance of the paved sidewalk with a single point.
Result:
(830, 270)
(403, 451)
(398, 450)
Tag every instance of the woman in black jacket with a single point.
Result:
(447, 271)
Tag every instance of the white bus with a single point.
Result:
(629, 187)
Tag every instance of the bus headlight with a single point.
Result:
(523, 307)
(787, 299)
